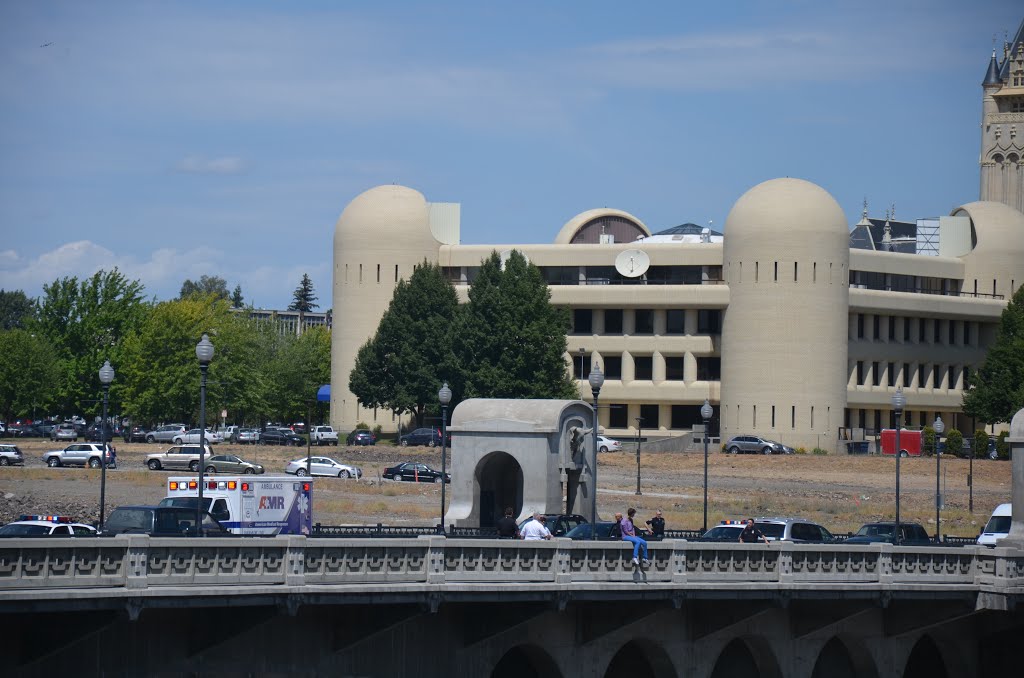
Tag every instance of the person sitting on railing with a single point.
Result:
(507, 528)
(536, 529)
(629, 534)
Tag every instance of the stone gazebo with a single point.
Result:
(532, 455)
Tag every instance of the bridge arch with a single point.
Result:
(640, 657)
(747, 657)
(926, 660)
(500, 479)
(526, 661)
(844, 658)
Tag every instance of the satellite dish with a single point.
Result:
(632, 263)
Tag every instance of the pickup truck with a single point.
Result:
(179, 457)
(325, 435)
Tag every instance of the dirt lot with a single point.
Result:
(840, 492)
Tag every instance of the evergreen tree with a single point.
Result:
(511, 340)
(304, 298)
(402, 367)
(208, 284)
(237, 301)
(997, 389)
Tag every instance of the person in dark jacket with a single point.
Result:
(507, 528)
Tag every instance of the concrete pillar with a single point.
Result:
(1016, 441)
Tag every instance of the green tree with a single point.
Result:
(207, 285)
(298, 367)
(997, 389)
(510, 339)
(980, 443)
(304, 299)
(15, 309)
(28, 371)
(86, 322)
(404, 364)
(237, 301)
(928, 439)
(954, 442)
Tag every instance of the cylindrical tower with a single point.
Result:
(784, 334)
(378, 239)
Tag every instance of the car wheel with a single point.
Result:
(250, 471)
(439, 479)
(210, 470)
(335, 443)
(300, 472)
(603, 449)
(53, 462)
(94, 462)
(397, 477)
(193, 466)
(904, 453)
(766, 450)
(177, 441)
(405, 443)
(343, 474)
(734, 450)
(432, 443)
(3, 461)
(153, 465)
(993, 455)
(150, 439)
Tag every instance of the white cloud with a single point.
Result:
(197, 164)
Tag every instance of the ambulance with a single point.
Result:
(263, 505)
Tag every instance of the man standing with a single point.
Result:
(751, 535)
(657, 524)
(507, 528)
(536, 529)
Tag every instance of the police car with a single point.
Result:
(46, 526)
(727, 530)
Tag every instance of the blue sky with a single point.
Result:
(224, 138)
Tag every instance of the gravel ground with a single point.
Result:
(840, 492)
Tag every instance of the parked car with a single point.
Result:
(247, 436)
(46, 526)
(280, 436)
(324, 435)
(165, 433)
(10, 455)
(191, 437)
(81, 454)
(421, 436)
(416, 472)
(177, 457)
(298, 427)
(561, 524)
(912, 534)
(135, 434)
(230, 433)
(756, 445)
(583, 531)
(161, 521)
(605, 444)
(229, 463)
(361, 436)
(323, 466)
(793, 529)
(95, 433)
(66, 431)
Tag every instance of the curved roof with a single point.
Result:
(578, 222)
(786, 206)
(997, 255)
(383, 216)
(500, 414)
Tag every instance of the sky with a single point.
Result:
(178, 139)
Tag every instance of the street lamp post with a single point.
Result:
(898, 403)
(939, 428)
(445, 396)
(639, 435)
(106, 376)
(204, 352)
(596, 380)
(705, 413)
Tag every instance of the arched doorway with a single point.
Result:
(925, 661)
(500, 479)
(526, 661)
(749, 657)
(640, 658)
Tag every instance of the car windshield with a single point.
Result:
(999, 524)
(23, 530)
(875, 531)
(723, 532)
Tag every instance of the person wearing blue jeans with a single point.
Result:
(629, 534)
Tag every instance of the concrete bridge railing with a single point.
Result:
(134, 563)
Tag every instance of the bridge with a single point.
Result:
(426, 606)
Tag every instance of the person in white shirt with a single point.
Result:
(536, 529)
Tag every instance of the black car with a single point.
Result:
(96, 434)
(280, 436)
(361, 437)
(911, 534)
(421, 436)
(416, 472)
(135, 434)
(161, 521)
(582, 531)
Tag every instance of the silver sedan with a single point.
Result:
(323, 466)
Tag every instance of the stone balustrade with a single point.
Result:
(131, 563)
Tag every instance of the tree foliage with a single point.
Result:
(27, 372)
(304, 298)
(298, 366)
(980, 446)
(15, 309)
(402, 367)
(954, 442)
(207, 285)
(997, 389)
(510, 339)
(86, 323)
(237, 300)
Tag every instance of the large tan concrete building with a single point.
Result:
(788, 331)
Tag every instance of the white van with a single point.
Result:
(998, 525)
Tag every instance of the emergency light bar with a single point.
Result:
(48, 519)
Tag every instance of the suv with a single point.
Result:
(755, 445)
(793, 529)
(64, 432)
(422, 436)
(911, 534)
(161, 521)
(81, 454)
(177, 457)
(166, 433)
(280, 436)
(10, 455)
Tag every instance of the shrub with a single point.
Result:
(954, 441)
(377, 430)
(819, 451)
(801, 450)
(928, 440)
(361, 426)
(1003, 447)
(980, 443)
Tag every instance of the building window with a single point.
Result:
(860, 373)
(674, 368)
(687, 416)
(613, 321)
(709, 369)
(876, 373)
(613, 367)
(906, 375)
(936, 333)
(582, 321)
(920, 329)
(618, 415)
(952, 332)
(773, 412)
(649, 413)
(936, 383)
(644, 321)
(581, 366)
(892, 328)
(921, 376)
(643, 368)
(967, 333)
(906, 329)
(860, 325)
(709, 322)
(892, 374)
(876, 322)
(675, 321)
